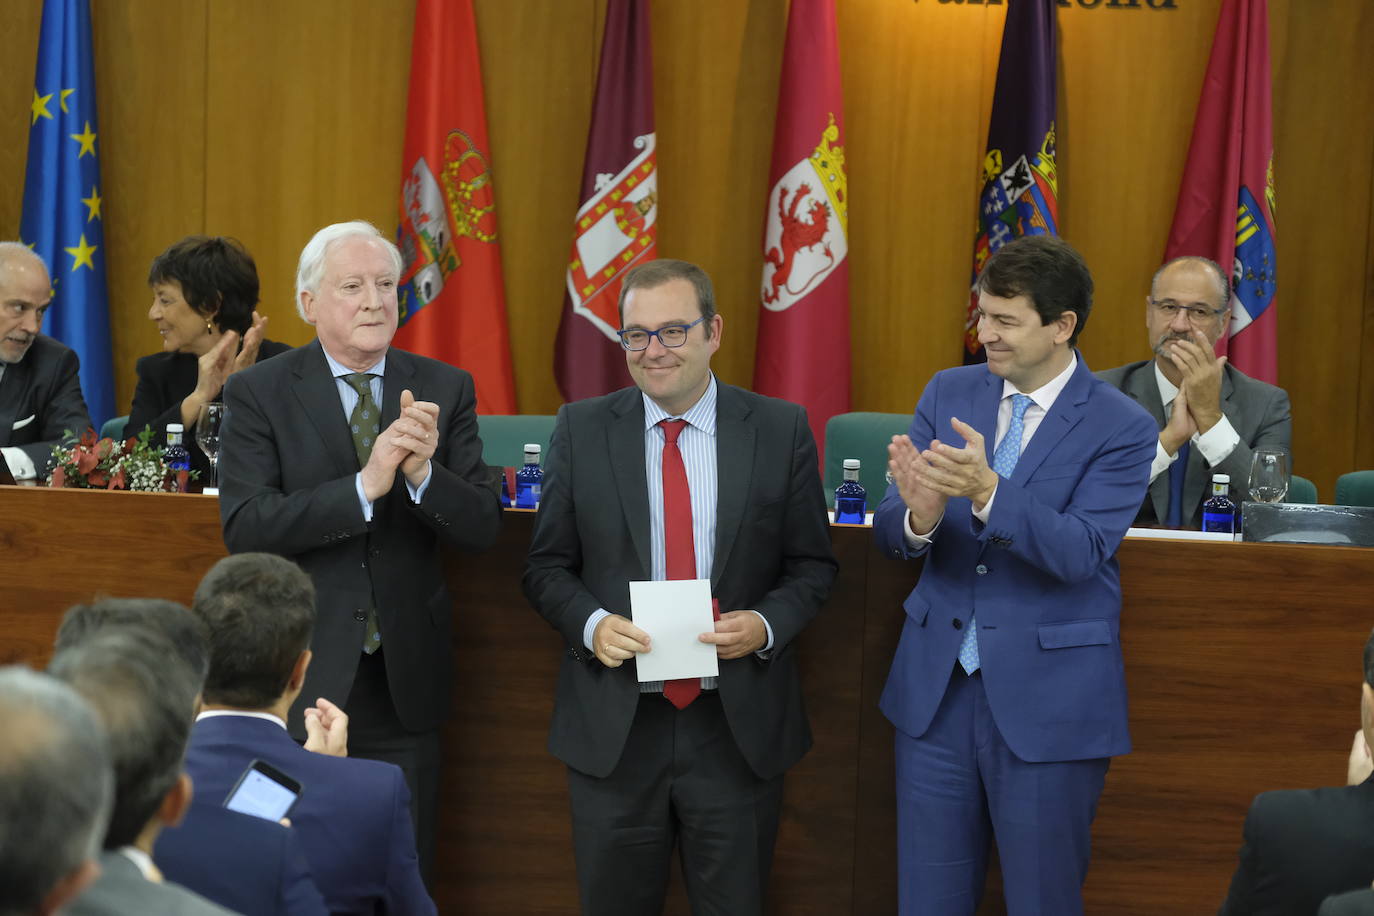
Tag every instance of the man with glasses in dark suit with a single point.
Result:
(1211, 415)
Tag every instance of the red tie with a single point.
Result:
(678, 551)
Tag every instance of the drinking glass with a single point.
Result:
(207, 436)
(1269, 475)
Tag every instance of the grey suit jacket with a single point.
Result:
(287, 467)
(42, 386)
(1258, 411)
(121, 889)
(772, 554)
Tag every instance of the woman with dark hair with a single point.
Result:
(205, 292)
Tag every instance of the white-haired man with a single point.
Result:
(360, 461)
(40, 394)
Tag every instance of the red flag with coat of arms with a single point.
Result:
(452, 299)
(1225, 207)
(803, 338)
(616, 224)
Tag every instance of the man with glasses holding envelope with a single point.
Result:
(681, 477)
(1211, 416)
(40, 394)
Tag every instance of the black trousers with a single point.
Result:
(680, 779)
(375, 733)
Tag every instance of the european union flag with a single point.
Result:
(62, 221)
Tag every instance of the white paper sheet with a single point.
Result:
(674, 613)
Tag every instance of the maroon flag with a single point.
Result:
(615, 225)
(1225, 207)
(803, 342)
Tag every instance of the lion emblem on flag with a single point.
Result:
(808, 223)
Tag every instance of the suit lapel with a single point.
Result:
(1143, 388)
(1063, 416)
(318, 395)
(625, 446)
(735, 444)
(984, 419)
(400, 375)
(13, 386)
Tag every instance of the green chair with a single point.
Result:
(1355, 489)
(113, 428)
(504, 437)
(1301, 491)
(864, 436)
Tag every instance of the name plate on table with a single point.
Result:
(1347, 526)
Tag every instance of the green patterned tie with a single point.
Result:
(365, 424)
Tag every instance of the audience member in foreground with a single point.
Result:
(1302, 845)
(40, 393)
(1211, 416)
(142, 691)
(1016, 483)
(353, 816)
(55, 793)
(245, 863)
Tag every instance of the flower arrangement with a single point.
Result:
(93, 463)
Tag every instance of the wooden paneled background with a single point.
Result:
(265, 119)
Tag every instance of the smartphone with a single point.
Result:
(263, 791)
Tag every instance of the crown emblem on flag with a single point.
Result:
(828, 161)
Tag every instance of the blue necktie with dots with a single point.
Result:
(365, 424)
(1003, 463)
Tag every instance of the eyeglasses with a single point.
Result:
(674, 335)
(1197, 314)
(16, 309)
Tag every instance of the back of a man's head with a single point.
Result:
(55, 791)
(183, 629)
(142, 691)
(260, 611)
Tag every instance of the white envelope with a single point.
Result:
(674, 613)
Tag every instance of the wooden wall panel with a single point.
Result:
(267, 119)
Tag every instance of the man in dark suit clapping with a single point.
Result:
(360, 461)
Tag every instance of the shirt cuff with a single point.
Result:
(1162, 460)
(1217, 443)
(767, 646)
(21, 466)
(418, 493)
(362, 497)
(983, 513)
(589, 627)
(919, 541)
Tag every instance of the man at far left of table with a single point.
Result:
(40, 394)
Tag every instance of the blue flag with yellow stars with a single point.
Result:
(62, 219)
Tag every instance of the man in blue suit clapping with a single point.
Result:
(1016, 483)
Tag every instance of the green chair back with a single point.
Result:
(1301, 491)
(864, 436)
(1355, 489)
(113, 428)
(504, 436)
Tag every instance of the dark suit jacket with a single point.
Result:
(1258, 411)
(772, 554)
(1041, 575)
(241, 862)
(287, 472)
(352, 817)
(164, 381)
(121, 889)
(1301, 846)
(1354, 903)
(42, 388)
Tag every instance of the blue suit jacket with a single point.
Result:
(241, 862)
(1041, 576)
(352, 818)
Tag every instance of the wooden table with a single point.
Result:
(1243, 662)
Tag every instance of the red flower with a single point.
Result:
(59, 477)
(86, 460)
(118, 482)
(88, 437)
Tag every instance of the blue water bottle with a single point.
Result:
(851, 502)
(176, 457)
(1218, 512)
(529, 479)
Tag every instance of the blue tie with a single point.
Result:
(1177, 472)
(1003, 462)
